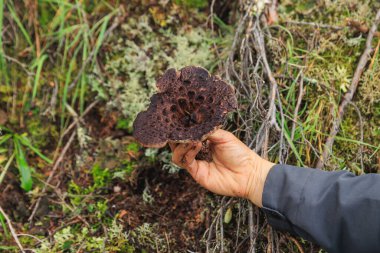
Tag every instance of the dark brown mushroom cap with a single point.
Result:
(189, 106)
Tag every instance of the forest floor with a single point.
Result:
(74, 74)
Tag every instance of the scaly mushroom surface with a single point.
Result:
(189, 106)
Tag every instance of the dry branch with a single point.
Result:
(13, 232)
(350, 93)
(55, 167)
(61, 156)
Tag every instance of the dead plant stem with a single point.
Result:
(13, 231)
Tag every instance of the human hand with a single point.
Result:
(236, 170)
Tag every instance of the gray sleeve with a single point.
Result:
(337, 210)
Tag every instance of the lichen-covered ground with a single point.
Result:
(74, 74)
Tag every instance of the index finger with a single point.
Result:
(173, 145)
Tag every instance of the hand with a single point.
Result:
(235, 170)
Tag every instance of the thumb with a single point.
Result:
(221, 136)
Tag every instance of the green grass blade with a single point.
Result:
(8, 248)
(24, 169)
(340, 138)
(1, 23)
(4, 226)
(26, 142)
(20, 26)
(293, 147)
(40, 62)
(4, 138)
(3, 66)
(9, 162)
(62, 10)
(3, 128)
(65, 89)
(100, 39)
(66, 31)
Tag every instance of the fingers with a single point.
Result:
(173, 145)
(189, 157)
(221, 136)
(184, 154)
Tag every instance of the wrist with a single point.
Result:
(259, 172)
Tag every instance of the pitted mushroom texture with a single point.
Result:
(190, 105)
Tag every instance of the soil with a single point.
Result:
(179, 205)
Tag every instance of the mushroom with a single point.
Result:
(189, 106)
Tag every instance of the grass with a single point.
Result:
(66, 58)
(21, 142)
(327, 67)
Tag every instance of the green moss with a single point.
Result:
(192, 3)
(124, 124)
(327, 59)
(41, 133)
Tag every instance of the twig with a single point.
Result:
(53, 101)
(31, 236)
(5, 169)
(260, 47)
(350, 93)
(280, 151)
(238, 223)
(221, 210)
(361, 134)
(72, 125)
(13, 232)
(218, 217)
(300, 249)
(55, 167)
(251, 226)
(299, 100)
(22, 65)
(259, 231)
(316, 25)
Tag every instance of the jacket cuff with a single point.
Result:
(283, 192)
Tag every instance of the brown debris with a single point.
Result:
(190, 105)
(3, 117)
(360, 26)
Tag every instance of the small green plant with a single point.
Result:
(124, 124)
(192, 3)
(101, 177)
(133, 147)
(71, 239)
(4, 226)
(20, 143)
